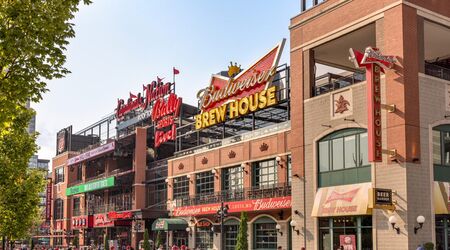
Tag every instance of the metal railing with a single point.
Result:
(334, 82)
(104, 208)
(258, 192)
(437, 71)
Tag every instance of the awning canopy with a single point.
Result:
(441, 197)
(342, 200)
(164, 224)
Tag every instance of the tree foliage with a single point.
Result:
(158, 240)
(242, 241)
(146, 244)
(33, 37)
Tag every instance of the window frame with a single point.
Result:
(256, 173)
(59, 177)
(204, 183)
(236, 175)
(273, 233)
(180, 187)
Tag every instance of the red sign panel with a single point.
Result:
(347, 242)
(164, 113)
(236, 206)
(82, 222)
(120, 216)
(48, 201)
(101, 220)
(373, 61)
(254, 79)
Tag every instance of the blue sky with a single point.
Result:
(120, 45)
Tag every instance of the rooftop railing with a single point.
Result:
(330, 82)
(437, 71)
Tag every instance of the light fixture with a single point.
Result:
(243, 165)
(297, 212)
(213, 171)
(294, 225)
(278, 160)
(167, 180)
(188, 229)
(188, 176)
(278, 227)
(420, 219)
(393, 221)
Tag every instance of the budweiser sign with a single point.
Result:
(347, 196)
(151, 92)
(252, 80)
(374, 62)
(236, 206)
(113, 215)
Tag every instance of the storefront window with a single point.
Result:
(442, 232)
(343, 158)
(441, 152)
(181, 190)
(339, 231)
(76, 206)
(265, 174)
(204, 237)
(204, 183)
(265, 234)
(231, 228)
(233, 178)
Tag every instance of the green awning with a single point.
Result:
(164, 224)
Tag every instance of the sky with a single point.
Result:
(120, 45)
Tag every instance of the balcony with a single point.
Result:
(269, 191)
(437, 71)
(330, 82)
(104, 208)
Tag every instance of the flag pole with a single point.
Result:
(173, 73)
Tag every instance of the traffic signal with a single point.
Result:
(225, 211)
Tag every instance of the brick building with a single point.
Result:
(331, 124)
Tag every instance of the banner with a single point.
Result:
(91, 186)
(48, 201)
(236, 206)
(92, 153)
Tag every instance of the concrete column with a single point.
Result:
(139, 166)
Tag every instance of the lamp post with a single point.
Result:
(221, 214)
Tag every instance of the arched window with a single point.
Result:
(441, 152)
(204, 236)
(265, 233)
(231, 229)
(343, 158)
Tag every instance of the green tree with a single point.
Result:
(75, 241)
(242, 241)
(33, 37)
(158, 240)
(146, 244)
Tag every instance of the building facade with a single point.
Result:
(340, 102)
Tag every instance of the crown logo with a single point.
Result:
(263, 147)
(180, 166)
(233, 70)
(231, 154)
(341, 105)
(204, 160)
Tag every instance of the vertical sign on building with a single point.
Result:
(48, 201)
(374, 62)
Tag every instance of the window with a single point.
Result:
(330, 230)
(76, 206)
(79, 172)
(59, 175)
(441, 152)
(343, 158)
(265, 174)
(231, 228)
(204, 183)
(265, 233)
(180, 187)
(442, 232)
(233, 178)
(58, 209)
(204, 237)
(308, 4)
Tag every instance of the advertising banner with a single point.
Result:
(342, 200)
(347, 242)
(48, 201)
(92, 153)
(91, 186)
(236, 206)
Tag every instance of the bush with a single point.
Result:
(242, 241)
(428, 246)
(146, 244)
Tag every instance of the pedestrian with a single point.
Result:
(420, 247)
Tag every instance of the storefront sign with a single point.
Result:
(120, 216)
(48, 200)
(382, 197)
(91, 186)
(348, 242)
(342, 200)
(139, 226)
(151, 92)
(164, 113)
(203, 223)
(63, 140)
(373, 61)
(92, 153)
(236, 206)
(237, 108)
(82, 221)
(101, 220)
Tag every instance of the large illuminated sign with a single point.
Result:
(164, 113)
(374, 62)
(246, 92)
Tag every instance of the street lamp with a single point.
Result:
(420, 220)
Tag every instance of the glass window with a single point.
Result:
(363, 150)
(338, 153)
(180, 187)
(233, 178)
(76, 206)
(358, 231)
(79, 172)
(58, 209)
(442, 223)
(204, 238)
(231, 229)
(350, 151)
(59, 175)
(204, 183)
(324, 154)
(441, 152)
(437, 147)
(265, 174)
(265, 234)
